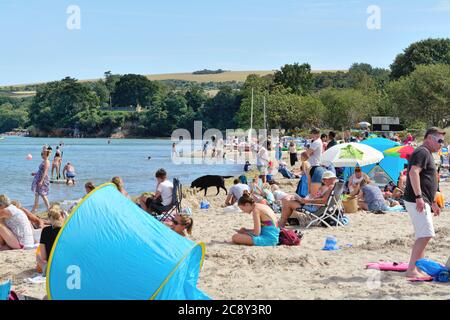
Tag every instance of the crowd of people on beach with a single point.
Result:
(270, 207)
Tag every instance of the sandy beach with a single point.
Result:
(304, 272)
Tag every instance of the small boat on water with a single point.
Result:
(2, 138)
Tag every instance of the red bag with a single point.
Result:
(290, 237)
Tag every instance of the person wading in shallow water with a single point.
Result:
(41, 181)
(420, 196)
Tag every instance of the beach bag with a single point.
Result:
(289, 238)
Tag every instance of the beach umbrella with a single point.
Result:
(403, 152)
(351, 155)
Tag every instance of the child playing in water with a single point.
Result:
(265, 232)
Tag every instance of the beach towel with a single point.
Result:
(398, 208)
(388, 266)
(5, 288)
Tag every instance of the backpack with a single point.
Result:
(289, 237)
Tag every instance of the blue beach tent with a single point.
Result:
(110, 249)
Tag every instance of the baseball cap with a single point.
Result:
(434, 130)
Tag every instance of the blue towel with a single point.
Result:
(396, 209)
(5, 289)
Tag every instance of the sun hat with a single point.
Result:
(328, 175)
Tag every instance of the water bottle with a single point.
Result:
(430, 267)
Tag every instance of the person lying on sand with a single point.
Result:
(15, 229)
(265, 232)
(280, 195)
(309, 202)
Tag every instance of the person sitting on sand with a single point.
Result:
(256, 190)
(35, 221)
(15, 229)
(89, 187)
(236, 192)
(310, 202)
(120, 186)
(69, 173)
(267, 193)
(162, 199)
(280, 195)
(265, 232)
(356, 178)
(370, 197)
(48, 236)
(182, 224)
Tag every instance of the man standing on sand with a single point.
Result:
(420, 196)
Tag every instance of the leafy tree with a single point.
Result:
(134, 90)
(347, 107)
(219, 111)
(425, 95)
(430, 51)
(12, 117)
(57, 103)
(296, 77)
(111, 80)
(101, 91)
(195, 98)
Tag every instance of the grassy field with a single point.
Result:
(238, 76)
(230, 76)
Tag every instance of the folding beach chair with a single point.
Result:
(5, 289)
(331, 213)
(175, 206)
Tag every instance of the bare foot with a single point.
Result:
(416, 274)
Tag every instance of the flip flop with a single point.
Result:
(421, 279)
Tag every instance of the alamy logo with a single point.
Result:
(74, 18)
(73, 281)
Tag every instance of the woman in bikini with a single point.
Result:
(56, 165)
(265, 232)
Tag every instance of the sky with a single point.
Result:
(170, 36)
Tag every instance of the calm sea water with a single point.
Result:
(97, 161)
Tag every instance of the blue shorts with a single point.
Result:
(269, 237)
(317, 176)
(70, 175)
(310, 208)
(377, 206)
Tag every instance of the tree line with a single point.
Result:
(416, 88)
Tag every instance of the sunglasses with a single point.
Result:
(436, 139)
